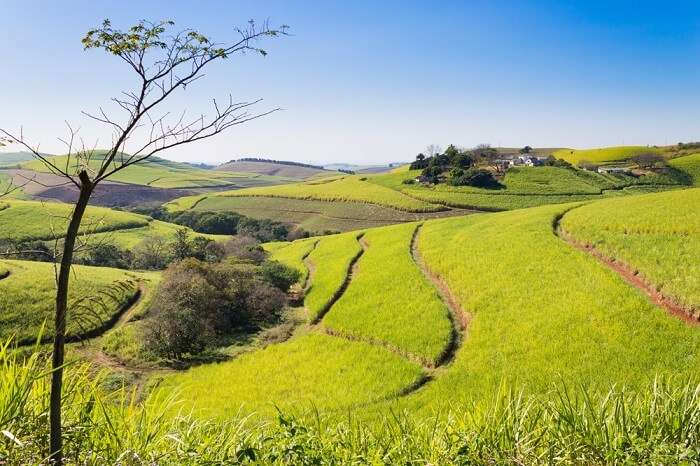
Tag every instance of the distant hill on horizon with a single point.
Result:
(273, 168)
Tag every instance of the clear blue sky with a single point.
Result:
(367, 81)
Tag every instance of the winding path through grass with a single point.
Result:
(628, 274)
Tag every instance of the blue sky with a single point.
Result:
(371, 82)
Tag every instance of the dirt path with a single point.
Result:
(459, 318)
(629, 275)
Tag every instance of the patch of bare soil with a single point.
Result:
(108, 193)
(632, 277)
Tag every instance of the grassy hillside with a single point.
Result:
(657, 235)
(392, 304)
(344, 189)
(540, 310)
(162, 173)
(32, 220)
(97, 296)
(689, 164)
(604, 154)
(311, 372)
(13, 159)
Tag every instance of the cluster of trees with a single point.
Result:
(231, 223)
(151, 253)
(198, 303)
(458, 167)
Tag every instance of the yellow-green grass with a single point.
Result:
(292, 255)
(543, 312)
(656, 234)
(33, 220)
(604, 154)
(27, 299)
(347, 189)
(130, 237)
(390, 300)
(690, 164)
(164, 173)
(330, 259)
(310, 372)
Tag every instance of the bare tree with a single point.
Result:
(163, 63)
(433, 150)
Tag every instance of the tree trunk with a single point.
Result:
(56, 441)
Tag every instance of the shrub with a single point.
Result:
(198, 302)
(280, 275)
(473, 177)
(176, 332)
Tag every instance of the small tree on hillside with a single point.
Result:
(163, 63)
(526, 150)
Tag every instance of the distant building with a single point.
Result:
(614, 170)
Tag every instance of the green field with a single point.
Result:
(638, 231)
(689, 164)
(540, 310)
(33, 220)
(330, 261)
(604, 154)
(27, 298)
(344, 189)
(162, 173)
(310, 372)
(392, 303)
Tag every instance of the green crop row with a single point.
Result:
(97, 294)
(390, 300)
(544, 311)
(656, 234)
(347, 189)
(330, 261)
(310, 372)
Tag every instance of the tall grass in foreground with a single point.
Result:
(660, 424)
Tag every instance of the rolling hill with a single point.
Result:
(525, 308)
(161, 173)
(274, 168)
(349, 202)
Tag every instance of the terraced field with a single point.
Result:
(97, 296)
(340, 189)
(162, 173)
(636, 232)
(389, 300)
(311, 372)
(535, 309)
